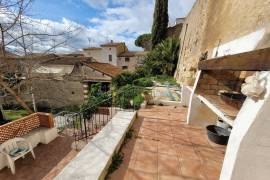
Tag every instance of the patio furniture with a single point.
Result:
(15, 149)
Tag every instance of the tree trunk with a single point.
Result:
(33, 100)
(17, 98)
(2, 116)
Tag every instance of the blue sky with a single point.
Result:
(104, 20)
(55, 10)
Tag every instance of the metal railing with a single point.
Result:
(85, 124)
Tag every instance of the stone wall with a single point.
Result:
(191, 39)
(211, 82)
(174, 31)
(57, 94)
(221, 28)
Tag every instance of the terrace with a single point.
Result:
(168, 142)
(162, 147)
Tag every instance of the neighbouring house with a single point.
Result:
(175, 30)
(221, 44)
(115, 53)
(130, 60)
(64, 80)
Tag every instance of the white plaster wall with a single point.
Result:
(106, 51)
(199, 114)
(185, 95)
(103, 55)
(248, 152)
(240, 45)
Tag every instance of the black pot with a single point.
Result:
(218, 135)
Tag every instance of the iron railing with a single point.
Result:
(85, 124)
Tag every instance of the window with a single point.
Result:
(110, 58)
(124, 67)
(127, 59)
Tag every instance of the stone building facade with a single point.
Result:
(219, 28)
(60, 81)
(131, 60)
(117, 54)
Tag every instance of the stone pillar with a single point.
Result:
(85, 90)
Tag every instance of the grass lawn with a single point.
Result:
(15, 114)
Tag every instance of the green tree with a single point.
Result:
(163, 59)
(144, 41)
(160, 23)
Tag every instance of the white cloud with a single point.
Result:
(132, 18)
(97, 3)
(123, 22)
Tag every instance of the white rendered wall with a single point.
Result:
(102, 55)
(248, 152)
(198, 113)
(240, 45)
(185, 95)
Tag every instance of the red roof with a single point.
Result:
(105, 68)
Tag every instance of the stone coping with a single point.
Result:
(95, 158)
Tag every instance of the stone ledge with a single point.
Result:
(95, 158)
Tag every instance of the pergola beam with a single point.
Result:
(257, 60)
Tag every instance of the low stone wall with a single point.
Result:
(94, 159)
(24, 125)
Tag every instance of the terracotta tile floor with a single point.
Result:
(50, 160)
(165, 148)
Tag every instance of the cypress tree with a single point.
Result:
(160, 23)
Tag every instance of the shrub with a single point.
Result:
(123, 79)
(126, 94)
(95, 99)
(138, 100)
(144, 82)
(126, 78)
(165, 79)
(163, 59)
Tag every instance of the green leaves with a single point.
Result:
(144, 41)
(163, 59)
(160, 23)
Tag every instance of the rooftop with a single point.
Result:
(93, 48)
(132, 53)
(66, 60)
(105, 68)
(113, 44)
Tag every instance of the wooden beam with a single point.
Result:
(257, 60)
